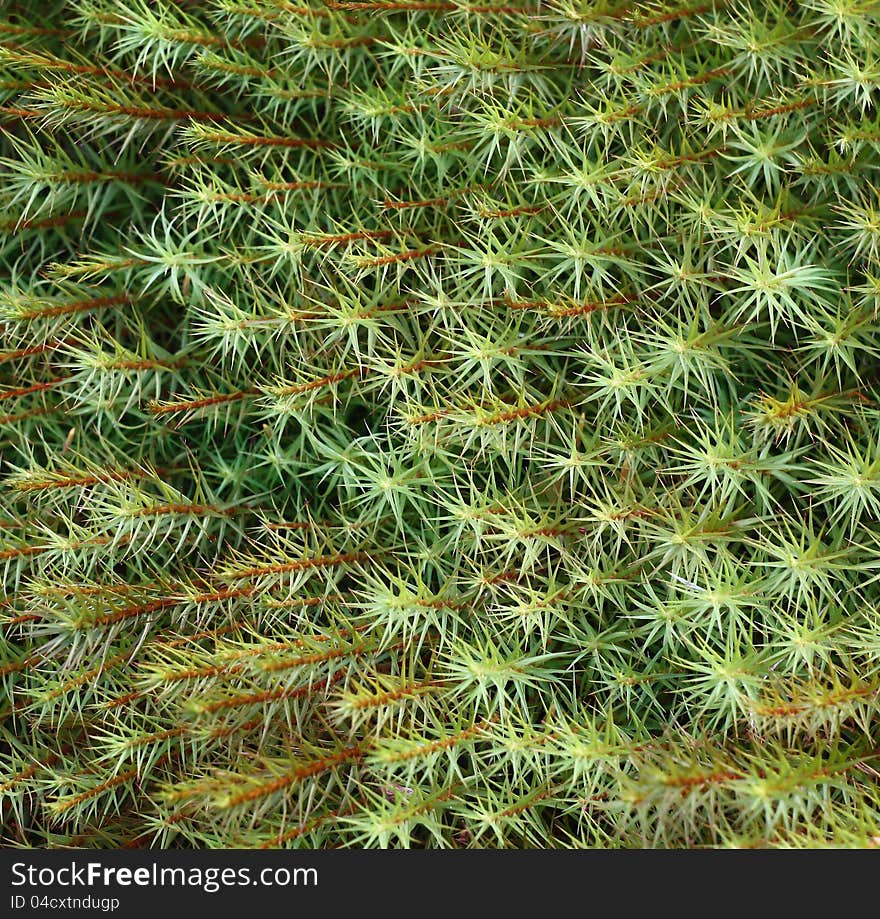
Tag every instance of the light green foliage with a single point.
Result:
(439, 424)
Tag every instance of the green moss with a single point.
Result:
(432, 424)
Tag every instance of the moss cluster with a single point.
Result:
(439, 423)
